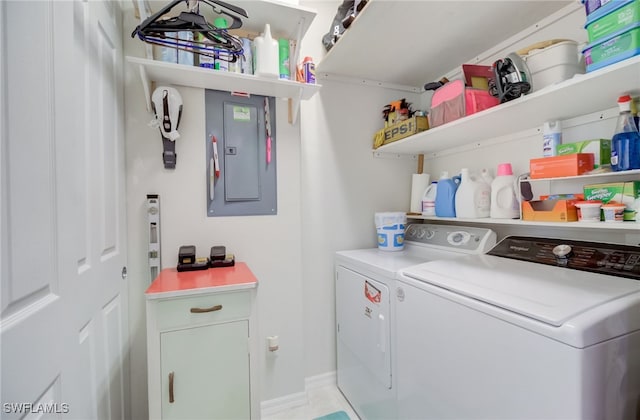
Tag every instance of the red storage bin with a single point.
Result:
(454, 100)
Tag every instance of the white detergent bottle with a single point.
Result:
(504, 203)
(486, 176)
(266, 55)
(473, 197)
(429, 199)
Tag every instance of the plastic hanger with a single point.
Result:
(162, 30)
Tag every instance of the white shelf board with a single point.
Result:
(286, 20)
(177, 74)
(621, 174)
(518, 222)
(580, 95)
(428, 39)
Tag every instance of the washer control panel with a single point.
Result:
(613, 259)
(451, 237)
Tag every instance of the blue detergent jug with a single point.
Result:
(446, 195)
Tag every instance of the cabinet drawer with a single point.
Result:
(202, 309)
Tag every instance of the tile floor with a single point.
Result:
(322, 401)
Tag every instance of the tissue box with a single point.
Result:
(601, 149)
(550, 210)
(559, 166)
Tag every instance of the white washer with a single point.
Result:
(535, 329)
(365, 280)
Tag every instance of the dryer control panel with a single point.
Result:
(612, 259)
(458, 238)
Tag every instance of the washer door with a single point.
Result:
(362, 316)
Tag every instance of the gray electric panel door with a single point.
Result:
(247, 182)
(241, 142)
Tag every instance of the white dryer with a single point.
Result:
(365, 281)
(535, 329)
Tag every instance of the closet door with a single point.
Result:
(63, 320)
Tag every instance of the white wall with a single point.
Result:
(270, 245)
(343, 185)
(329, 186)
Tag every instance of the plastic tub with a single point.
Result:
(626, 14)
(588, 211)
(614, 48)
(613, 212)
(390, 230)
(553, 64)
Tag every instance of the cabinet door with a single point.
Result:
(206, 371)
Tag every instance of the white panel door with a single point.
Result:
(63, 323)
(362, 315)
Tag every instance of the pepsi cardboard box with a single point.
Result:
(400, 130)
(601, 149)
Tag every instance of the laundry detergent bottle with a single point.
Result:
(266, 54)
(446, 195)
(625, 144)
(429, 199)
(504, 201)
(473, 197)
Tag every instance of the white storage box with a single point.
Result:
(553, 64)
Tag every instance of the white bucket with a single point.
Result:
(390, 228)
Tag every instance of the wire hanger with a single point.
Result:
(162, 30)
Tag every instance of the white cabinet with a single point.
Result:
(201, 346)
(205, 372)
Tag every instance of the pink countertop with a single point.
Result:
(170, 282)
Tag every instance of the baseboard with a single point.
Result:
(318, 381)
(270, 407)
(276, 405)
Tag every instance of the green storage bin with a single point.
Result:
(614, 21)
(617, 47)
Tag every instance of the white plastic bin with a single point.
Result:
(554, 64)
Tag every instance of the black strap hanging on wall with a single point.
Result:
(169, 155)
(167, 106)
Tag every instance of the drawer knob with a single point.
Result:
(204, 310)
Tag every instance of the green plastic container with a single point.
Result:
(617, 47)
(614, 21)
(283, 56)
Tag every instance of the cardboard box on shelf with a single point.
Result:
(627, 193)
(559, 166)
(400, 130)
(601, 149)
(550, 210)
